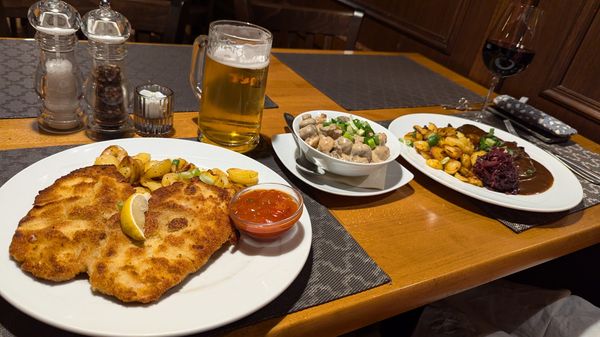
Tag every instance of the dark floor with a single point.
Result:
(577, 272)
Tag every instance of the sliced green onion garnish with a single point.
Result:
(433, 139)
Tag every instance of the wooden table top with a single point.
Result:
(432, 241)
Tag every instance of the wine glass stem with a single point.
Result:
(488, 98)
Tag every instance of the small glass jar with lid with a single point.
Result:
(108, 95)
(58, 80)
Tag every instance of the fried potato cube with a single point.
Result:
(475, 181)
(434, 163)
(411, 137)
(425, 155)
(452, 141)
(452, 166)
(465, 161)
(476, 155)
(460, 177)
(421, 146)
(421, 130)
(438, 153)
(465, 172)
(453, 152)
(466, 145)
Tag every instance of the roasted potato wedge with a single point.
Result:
(148, 175)
(143, 157)
(152, 185)
(170, 178)
(107, 159)
(157, 168)
(115, 151)
(243, 177)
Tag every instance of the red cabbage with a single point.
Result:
(497, 171)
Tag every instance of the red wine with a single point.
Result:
(505, 59)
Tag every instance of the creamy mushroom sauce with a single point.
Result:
(330, 138)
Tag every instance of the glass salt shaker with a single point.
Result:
(58, 80)
(108, 96)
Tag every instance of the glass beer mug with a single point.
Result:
(229, 76)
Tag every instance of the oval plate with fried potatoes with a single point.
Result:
(565, 193)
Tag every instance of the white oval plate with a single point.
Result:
(285, 148)
(565, 193)
(234, 284)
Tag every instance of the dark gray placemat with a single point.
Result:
(167, 65)
(269, 103)
(362, 82)
(337, 266)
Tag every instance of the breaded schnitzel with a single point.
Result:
(185, 224)
(74, 228)
(60, 235)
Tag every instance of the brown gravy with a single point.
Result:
(540, 181)
(534, 178)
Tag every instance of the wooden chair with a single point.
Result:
(15, 15)
(195, 17)
(302, 27)
(150, 19)
(4, 29)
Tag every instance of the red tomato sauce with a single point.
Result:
(264, 206)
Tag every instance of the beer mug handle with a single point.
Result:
(197, 67)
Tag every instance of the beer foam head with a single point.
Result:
(241, 56)
(239, 44)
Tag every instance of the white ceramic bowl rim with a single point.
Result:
(329, 113)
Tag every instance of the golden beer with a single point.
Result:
(232, 102)
(229, 75)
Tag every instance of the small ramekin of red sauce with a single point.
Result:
(266, 211)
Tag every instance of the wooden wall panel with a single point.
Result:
(580, 86)
(441, 30)
(583, 76)
(563, 78)
(429, 21)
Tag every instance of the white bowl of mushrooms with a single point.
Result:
(344, 143)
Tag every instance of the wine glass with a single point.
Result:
(508, 49)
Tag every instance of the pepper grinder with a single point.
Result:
(58, 79)
(108, 96)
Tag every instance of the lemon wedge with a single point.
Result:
(133, 216)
